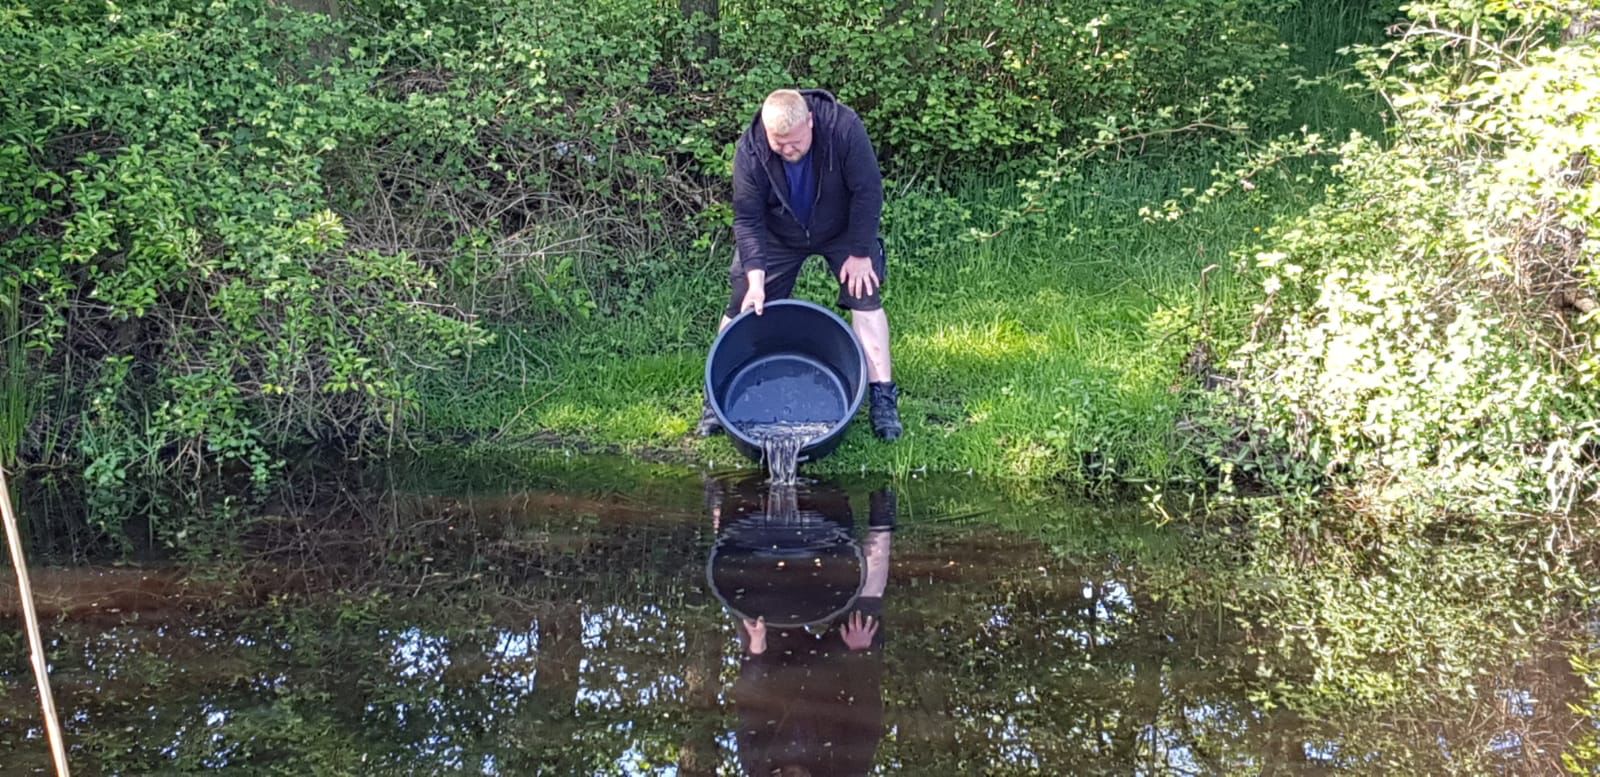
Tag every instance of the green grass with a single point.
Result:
(1051, 352)
(16, 393)
(1316, 31)
(1047, 353)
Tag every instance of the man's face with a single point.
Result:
(791, 145)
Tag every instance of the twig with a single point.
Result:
(30, 618)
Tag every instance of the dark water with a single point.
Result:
(785, 390)
(592, 618)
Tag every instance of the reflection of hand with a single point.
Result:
(757, 629)
(858, 631)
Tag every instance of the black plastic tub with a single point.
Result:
(796, 363)
(798, 571)
(786, 554)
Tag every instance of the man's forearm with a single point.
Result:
(757, 279)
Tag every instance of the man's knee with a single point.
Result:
(869, 302)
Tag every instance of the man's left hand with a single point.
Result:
(858, 631)
(858, 276)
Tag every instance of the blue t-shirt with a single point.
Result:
(802, 187)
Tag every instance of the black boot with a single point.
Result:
(885, 504)
(709, 425)
(885, 410)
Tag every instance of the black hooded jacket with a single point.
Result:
(849, 200)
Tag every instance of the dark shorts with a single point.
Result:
(783, 268)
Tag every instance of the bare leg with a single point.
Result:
(877, 552)
(724, 325)
(872, 327)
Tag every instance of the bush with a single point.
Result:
(186, 293)
(1426, 337)
(1411, 399)
(236, 227)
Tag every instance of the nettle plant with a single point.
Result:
(1426, 338)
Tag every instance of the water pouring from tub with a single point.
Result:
(786, 383)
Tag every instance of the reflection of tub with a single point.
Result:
(796, 363)
(794, 571)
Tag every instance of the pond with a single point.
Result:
(594, 616)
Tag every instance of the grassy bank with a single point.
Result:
(1049, 352)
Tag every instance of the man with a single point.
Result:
(806, 182)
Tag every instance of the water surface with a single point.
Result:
(597, 618)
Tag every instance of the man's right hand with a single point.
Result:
(756, 297)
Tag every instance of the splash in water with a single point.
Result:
(781, 444)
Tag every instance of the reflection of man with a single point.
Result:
(810, 698)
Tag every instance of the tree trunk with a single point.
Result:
(706, 36)
(1581, 25)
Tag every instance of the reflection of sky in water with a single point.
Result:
(1332, 753)
(512, 663)
(416, 654)
(620, 631)
(269, 682)
(1321, 752)
(636, 762)
(597, 691)
(1171, 754)
(1517, 702)
(1506, 743)
(510, 645)
(214, 718)
(445, 692)
(1013, 739)
(1113, 607)
(1115, 602)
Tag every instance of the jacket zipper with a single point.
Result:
(816, 197)
(788, 206)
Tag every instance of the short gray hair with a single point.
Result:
(784, 110)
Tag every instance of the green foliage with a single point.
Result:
(182, 279)
(16, 395)
(1408, 420)
(968, 84)
(236, 227)
(1421, 339)
(554, 156)
(1584, 755)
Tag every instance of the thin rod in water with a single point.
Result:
(30, 618)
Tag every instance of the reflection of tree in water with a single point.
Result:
(548, 632)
